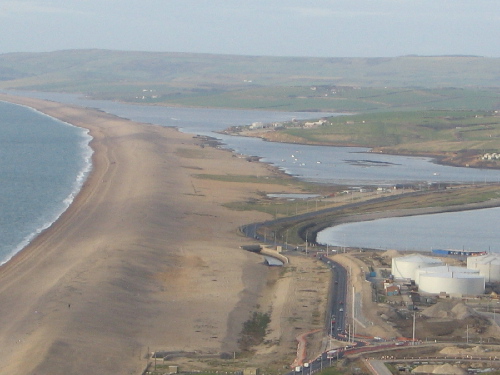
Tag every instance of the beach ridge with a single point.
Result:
(144, 257)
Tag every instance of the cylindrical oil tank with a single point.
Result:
(405, 267)
(488, 266)
(442, 269)
(452, 283)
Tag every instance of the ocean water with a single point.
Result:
(43, 164)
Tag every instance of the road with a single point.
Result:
(336, 314)
(251, 230)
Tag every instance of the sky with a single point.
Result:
(321, 28)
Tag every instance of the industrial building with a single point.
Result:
(488, 266)
(432, 275)
(405, 267)
(454, 270)
(457, 282)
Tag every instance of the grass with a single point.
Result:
(277, 208)
(294, 230)
(442, 198)
(274, 83)
(298, 98)
(190, 153)
(245, 179)
(409, 132)
(254, 330)
(331, 371)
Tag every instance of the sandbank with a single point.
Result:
(145, 258)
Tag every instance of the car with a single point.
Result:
(341, 309)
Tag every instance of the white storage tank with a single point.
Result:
(405, 267)
(488, 266)
(442, 269)
(452, 283)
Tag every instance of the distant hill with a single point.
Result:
(204, 79)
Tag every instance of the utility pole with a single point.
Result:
(307, 232)
(413, 339)
(353, 307)
(331, 326)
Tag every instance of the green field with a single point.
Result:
(409, 104)
(425, 131)
(274, 83)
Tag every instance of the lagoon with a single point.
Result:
(471, 230)
(475, 230)
(332, 165)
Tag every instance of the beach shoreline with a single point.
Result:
(63, 201)
(144, 241)
(145, 258)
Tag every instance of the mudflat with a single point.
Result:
(146, 257)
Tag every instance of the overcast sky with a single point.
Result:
(324, 28)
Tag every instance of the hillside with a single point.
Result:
(280, 83)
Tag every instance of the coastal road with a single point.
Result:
(251, 230)
(336, 314)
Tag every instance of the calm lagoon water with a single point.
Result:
(339, 165)
(475, 230)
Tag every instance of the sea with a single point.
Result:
(44, 162)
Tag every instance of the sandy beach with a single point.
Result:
(145, 258)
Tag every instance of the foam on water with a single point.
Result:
(80, 169)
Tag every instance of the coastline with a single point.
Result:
(145, 258)
(445, 158)
(85, 165)
(142, 242)
(395, 213)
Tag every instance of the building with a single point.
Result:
(405, 267)
(392, 290)
(488, 266)
(452, 283)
